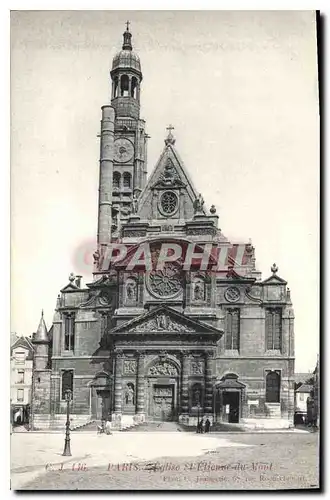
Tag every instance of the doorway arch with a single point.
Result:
(163, 389)
(100, 396)
(273, 386)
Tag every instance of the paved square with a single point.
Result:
(167, 460)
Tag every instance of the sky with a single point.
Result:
(241, 90)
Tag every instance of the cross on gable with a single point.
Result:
(170, 128)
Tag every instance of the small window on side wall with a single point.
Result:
(232, 337)
(20, 394)
(127, 178)
(67, 382)
(116, 180)
(69, 331)
(274, 329)
(273, 387)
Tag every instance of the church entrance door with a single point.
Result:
(100, 404)
(162, 402)
(231, 404)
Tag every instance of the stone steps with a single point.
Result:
(274, 410)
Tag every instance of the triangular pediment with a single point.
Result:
(169, 174)
(70, 287)
(274, 280)
(165, 320)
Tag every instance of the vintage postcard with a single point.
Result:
(165, 189)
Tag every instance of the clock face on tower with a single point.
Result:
(124, 150)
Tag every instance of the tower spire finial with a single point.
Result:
(127, 45)
(170, 138)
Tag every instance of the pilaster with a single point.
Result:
(184, 383)
(140, 403)
(208, 401)
(118, 382)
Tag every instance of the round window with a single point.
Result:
(169, 202)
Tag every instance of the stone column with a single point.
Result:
(118, 385)
(154, 202)
(140, 400)
(208, 399)
(105, 178)
(181, 205)
(185, 387)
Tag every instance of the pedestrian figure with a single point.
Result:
(200, 426)
(108, 428)
(207, 425)
(100, 428)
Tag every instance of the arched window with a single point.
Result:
(69, 331)
(133, 87)
(115, 91)
(273, 385)
(67, 382)
(116, 179)
(274, 329)
(232, 329)
(124, 83)
(127, 180)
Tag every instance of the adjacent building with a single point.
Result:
(302, 394)
(21, 365)
(170, 343)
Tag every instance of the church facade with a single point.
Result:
(174, 340)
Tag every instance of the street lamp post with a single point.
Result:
(67, 449)
(198, 407)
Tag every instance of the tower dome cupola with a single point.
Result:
(126, 78)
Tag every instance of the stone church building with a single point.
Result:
(164, 344)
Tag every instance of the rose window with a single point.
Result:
(166, 282)
(168, 202)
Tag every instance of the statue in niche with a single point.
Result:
(129, 394)
(198, 204)
(135, 203)
(196, 397)
(131, 290)
(199, 291)
(96, 256)
(169, 175)
(162, 321)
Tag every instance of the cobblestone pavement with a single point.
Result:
(165, 460)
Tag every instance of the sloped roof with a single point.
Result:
(301, 377)
(305, 388)
(22, 342)
(41, 334)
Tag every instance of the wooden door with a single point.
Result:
(163, 402)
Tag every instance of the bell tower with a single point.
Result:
(130, 138)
